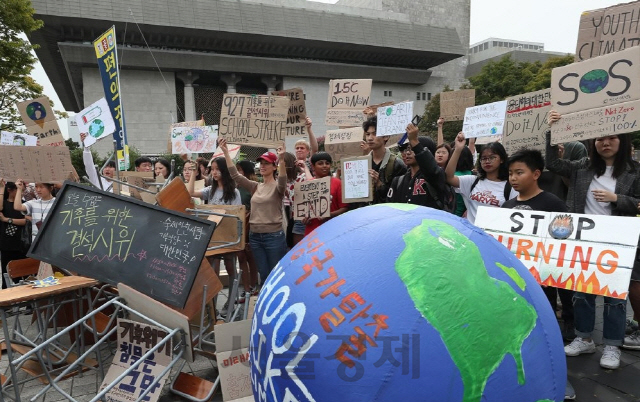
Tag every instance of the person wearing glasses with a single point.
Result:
(491, 187)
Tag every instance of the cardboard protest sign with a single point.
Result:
(234, 150)
(347, 100)
(201, 139)
(568, 251)
(7, 138)
(597, 97)
(312, 199)
(232, 354)
(257, 120)
(486, 140)
(197, 123)
(608, 30)
(35, 164)
(134, 340)
(297, 116)
(484, 120)
(95, 121)
(526, 121)
(394, 119)
(357, 185)
(344, 142)
(453, 104)
(40, 120)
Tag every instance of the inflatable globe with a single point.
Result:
(398, 302)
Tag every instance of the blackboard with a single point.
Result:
(116, 239)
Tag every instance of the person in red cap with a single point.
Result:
(266, 236)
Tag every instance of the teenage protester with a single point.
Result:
(39, 208)
(162, 169)
(385, 165)
(443, 154)
(464, 167)
(295, 173)
(203, 170)
(12, 224)
(605, 183)
(490, 187)
(424, 182)
(108, 170)
(321, 163)
(303, 149)
(143, 164)
(267, 239)
(246, 261)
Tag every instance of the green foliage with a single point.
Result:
(542, 79)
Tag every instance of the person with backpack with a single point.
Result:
(491, 187)
(424, 183)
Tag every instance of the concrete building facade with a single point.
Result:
(177, 58)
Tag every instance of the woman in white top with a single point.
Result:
(39, 208)
(491, 187)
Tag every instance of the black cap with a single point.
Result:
(426, 142)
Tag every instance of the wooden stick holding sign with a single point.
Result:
(312, 199)
(357, 185)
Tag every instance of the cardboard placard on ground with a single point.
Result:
(607, 30)
(484, 120)
(454, 103)
(232, 344)
(568, 251)
(95, 121)
(200, 139)
(526, 121)
(394, 119)
(347, 99)
(357, 185)
(7, 138)
(40, 120)
(35, 164)
(343, 143)
(313, 199)
(296, 118)
(597, 97)
(257, 120)
(227, 228)
(196, 123)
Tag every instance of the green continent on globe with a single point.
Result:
(513, 274)
(469, 309)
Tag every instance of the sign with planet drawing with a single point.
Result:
(40, 120)
(95, 121)
(200, 139)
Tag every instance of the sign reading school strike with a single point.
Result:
(454, 103)
(394, 119)
(257, 120)
(347, 100)
(484, 120)
(568, 251)
(40, 120)
(608, 30)
(296, 119)
(312, 199)
(597, 97)
(526, 121)
(344, 142)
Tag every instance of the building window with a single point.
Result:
(424, 96)
(428, 96)
(388, 93)
(305, 98)
(417, 95)
(485, 46)
(495, 43)
(385, 93)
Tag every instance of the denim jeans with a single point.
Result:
(268, 249)
(614, 315)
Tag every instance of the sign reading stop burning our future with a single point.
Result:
(597, 97)
(526, 121)
(257, 120)
(568, 251)
(312, 199)
(296, 119)
(347, 100)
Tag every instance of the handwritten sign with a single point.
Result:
(297, 111)
(96, 121)
(197, 123)
(394, 119)
(232, 354)
(347, 100)
(526, 121)
(200, 139)
(454, 103)
(597, 97)
(484, 120)
(568, 251)
(40, 120)
(356, 182)
(608, 30)
(134, 340)
(344, 142)
(118, 239)
(234, 150)
(256, 120)
(7, 138)
(35, 164)
(313, 199)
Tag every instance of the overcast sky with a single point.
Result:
(552, 22)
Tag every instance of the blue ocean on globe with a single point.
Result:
(398, 302)
(594, 81)
(96, 128)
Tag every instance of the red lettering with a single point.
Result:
(584, 262)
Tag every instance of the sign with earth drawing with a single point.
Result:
(597, 97)
(96, 122)
(40, 120)
(194, 139)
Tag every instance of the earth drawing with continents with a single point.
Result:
(398, 302)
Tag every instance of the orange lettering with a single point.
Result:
(611, 263)
(563, 248)
(544, 253)
(584, 262)
(523, 249)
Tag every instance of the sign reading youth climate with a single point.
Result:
(40, 120)
(257, 120)
(347, 100)
(526, 121)
(296, 119)
(356, 182)
(484, 120)
(394, 119)
(568, 251)
(313, 199)
(344, 142)
(608, 30)
(453, 104)
(597, 97)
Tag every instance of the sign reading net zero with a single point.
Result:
(118, 239)
(597, 97)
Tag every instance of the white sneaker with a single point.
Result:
(579, 346)
(610, 357)
(632, 341)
